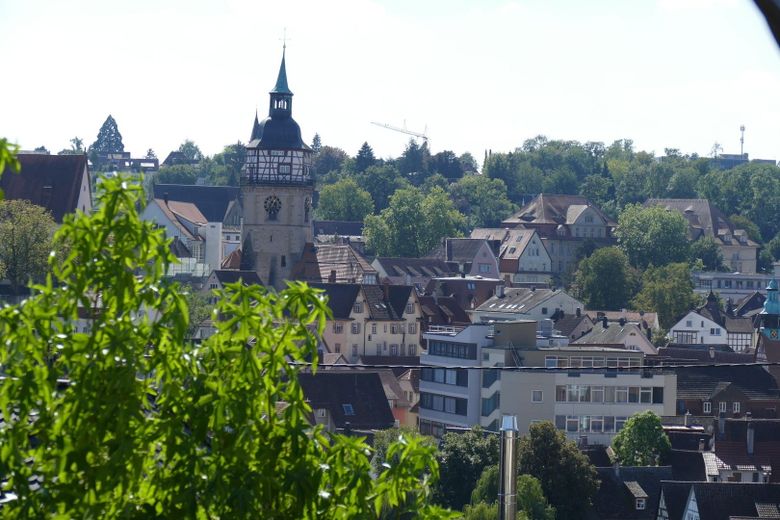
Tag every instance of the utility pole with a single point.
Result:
(507, 469)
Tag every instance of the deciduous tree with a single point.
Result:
(652, 236)
(26, 232)
(568, 479)
(482, 200)
(344, 200)
(462, 459)
(667, 290)
(190, 150)
(642, 441)
(707, 251)
(152, 426)
(606, 280)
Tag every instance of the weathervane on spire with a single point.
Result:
(284, 39)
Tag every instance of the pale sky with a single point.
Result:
(476, 74)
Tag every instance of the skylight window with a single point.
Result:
(348, 410)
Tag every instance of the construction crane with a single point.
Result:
(405, 131)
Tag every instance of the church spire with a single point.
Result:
(281, 80)
(257, 132)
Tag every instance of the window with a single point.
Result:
(393, 350)
(609, 424)
(337, 349)
(596, 424)
(550, 361)
(689, 323)
(544, 310)
(471, 286)
(338, 328)
(355, 328)
(412, 328)
(621, 394)
(572, 424)
(284, 261)
(348, 410)
(560, 394)
(373, 328)
(707, 407)
(715, 332)
(619, 423)
(394, 328)
(597, 394)
(409, 308)
(722, 406)
(322, 412)
(646, 394)
(412, 350)
(640, 504)
(484, 268)
(560, 422)
(357, 308)
(285, 168)
(735, 407)
(536, 396)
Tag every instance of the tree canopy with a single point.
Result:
(147, 425)
(667, 290)
(364, 158)
(344, 200)
(605, 279)
(652, 236)
(109, 140)
(462, 459)
(483, 200)
(568, 479)
(26, 232)
(413, 223)
(642, 441)
(706, 253)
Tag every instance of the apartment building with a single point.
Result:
(372, 320)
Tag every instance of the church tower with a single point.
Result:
(768, 345)
(276, 190)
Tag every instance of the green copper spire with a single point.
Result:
(281, 81)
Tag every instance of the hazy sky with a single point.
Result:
(477, 74)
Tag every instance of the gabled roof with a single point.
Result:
(617, 494)
(50, 181)
(518, 300)
(702, 383)
(361, 391)
(704, 219)
(179, 248)
(751, 302)
(349, 228)
(398, 363)
(460, 250)
(387, 302)
(232, 261)
(645, 319)
(554, 209)
(612, 335)
(442, 310)
(719, 500)
(569, 322)
(331, 263)
(178, 218)
(232, 276)
(415, 267)
(341, 297)
(212, 201)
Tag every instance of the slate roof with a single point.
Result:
(614, 334)
(390, 308)
(704, 219)
(341, 297)
(719, 500)
(512, 241)
(350, 228)
(568, 323)
(617, 494)
(319, 263)
(686, 464)
(751, 302)
(517, 300)
(232, 276)
(398, 362)
(442, 310)
(415, 267)
(362, 390)
(212, 201)
(554, 209)
(50, 181)
(686, 354)
(703, 383)
(460, 250)
(733, 324)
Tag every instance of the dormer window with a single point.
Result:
(348, 410)
(641, 503)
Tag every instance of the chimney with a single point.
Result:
(687, 416)
(332, 276)
(386, 290)
(605, 322)
(616, 468)
(701, 444)
(712, 352)
(622, 322)
(165, 198)
(751, 437)
(500, 290)
(579, 312)
(721, 424)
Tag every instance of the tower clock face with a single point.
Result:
(272, 204)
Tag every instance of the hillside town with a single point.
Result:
(601, 296)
